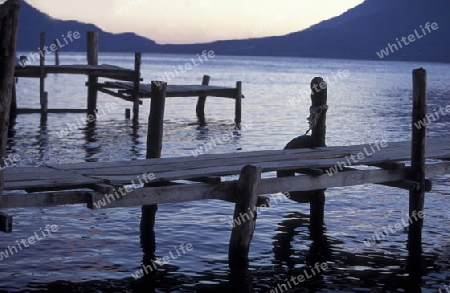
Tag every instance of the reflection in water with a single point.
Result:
(42, 138)
(106, 264)
(296, 225)
(91, 146)
(225, 134)
(134, 135)
(415, 263)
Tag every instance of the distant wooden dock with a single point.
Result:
(127, 84)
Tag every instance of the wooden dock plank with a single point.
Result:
(22, 178)
(223, 191)
(53, 111)
(86, 175)
(185, 167)
(45, 199)
(104, 70)
(176, 90)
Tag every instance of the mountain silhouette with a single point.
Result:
(363, 32)
(32, 22)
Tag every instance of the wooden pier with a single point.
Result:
(41, 183)
(155, 180)
(172, 180)
(126, 83)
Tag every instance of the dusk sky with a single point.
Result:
(195, 21)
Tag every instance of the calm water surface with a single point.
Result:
(98, 251)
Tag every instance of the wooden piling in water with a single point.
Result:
(136, 86)
(155, 119)
(200, 108)
(13, 107)
(5, 223)
(238, 105)
(154, 148)
(245, 215)
(92, 59)
(9, 19)
(319, 97)
(42, 93)
(56, 53)
(417, 196)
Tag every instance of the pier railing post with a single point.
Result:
(244, 218)
(200, 108)
(319, 97)
(92, 59)
(42, 93)
(154, 147)
(417, 197)
(238, 105)
(136, 86)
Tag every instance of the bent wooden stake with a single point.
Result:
(200, 108)
(244, 218)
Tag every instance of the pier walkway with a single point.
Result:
(88, 182)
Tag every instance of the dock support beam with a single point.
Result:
(200, 108)
(136, 85)
(238, 105)
(42, 93)
(417, 197)
(245, 214)
(92, 59)
(154, 147)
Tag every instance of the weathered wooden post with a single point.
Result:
(317, 122)
(317, 125)
(244, 218)
(156, 119)
(417, 197)
(154, 147)
(136, 86)
(9, 20)
(13, 108)
(92, 59)
(200, 108)
(238, 105)
(42, 93)
(56, 53)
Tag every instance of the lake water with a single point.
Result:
(99, 250)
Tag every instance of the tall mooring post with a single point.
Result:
(154, 148)
(417, 174)
(317, 120)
